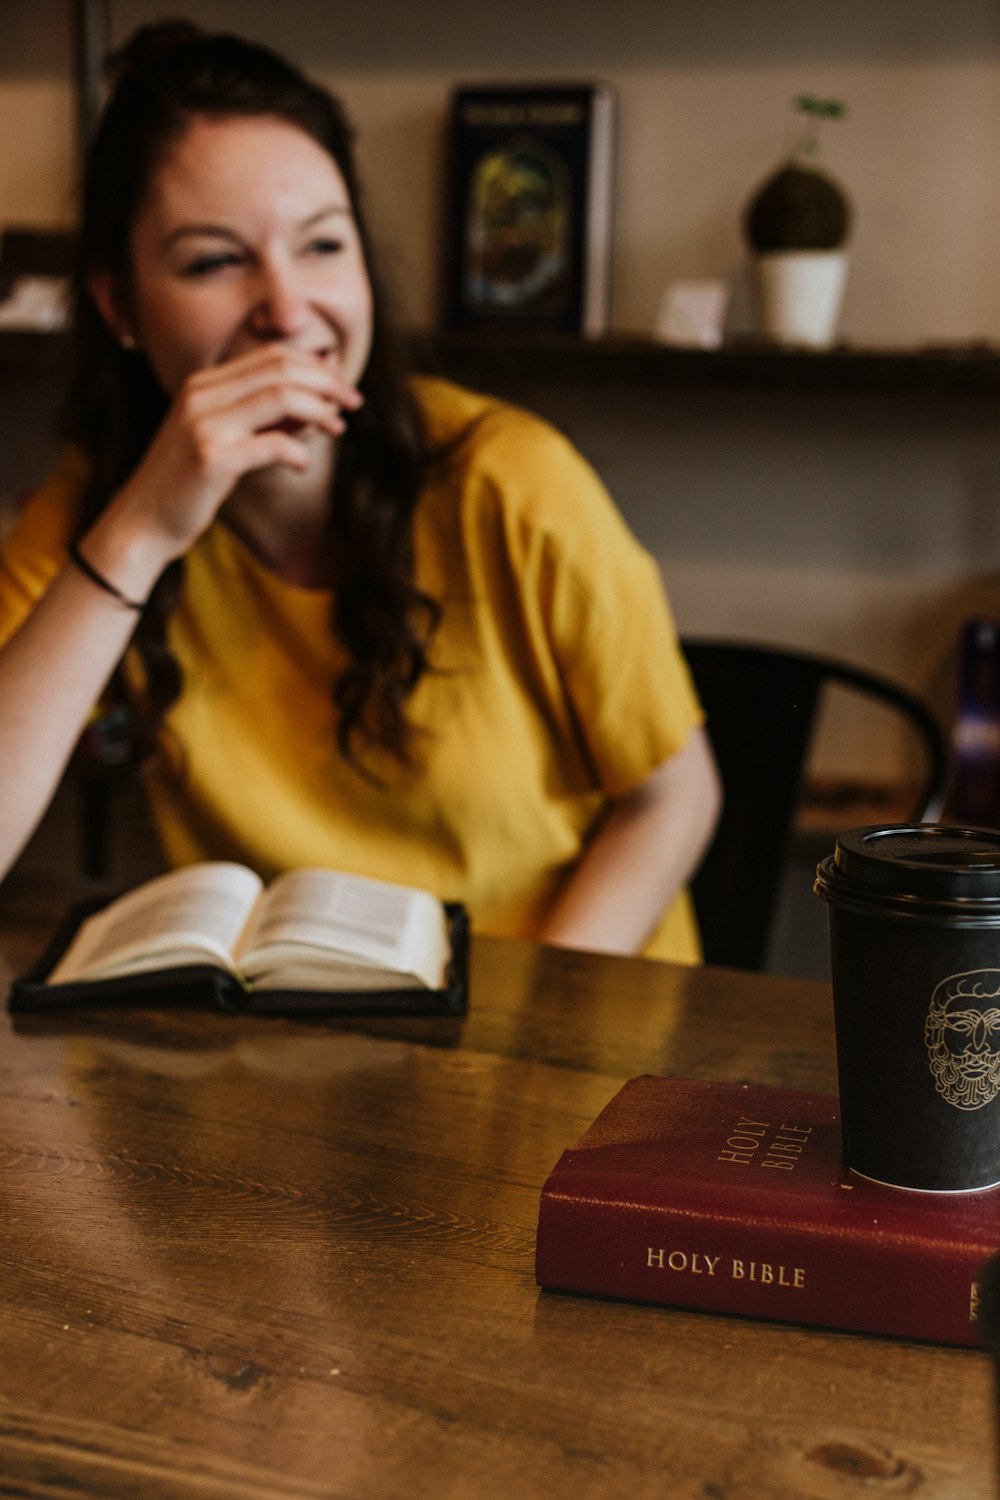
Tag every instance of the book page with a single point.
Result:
(373, 923)
(192, 915)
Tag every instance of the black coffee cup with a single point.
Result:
(914, 915)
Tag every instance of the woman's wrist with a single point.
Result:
(127, 560)
(80, 561)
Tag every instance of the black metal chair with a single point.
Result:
(762, 705)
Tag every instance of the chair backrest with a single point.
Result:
(762, 706)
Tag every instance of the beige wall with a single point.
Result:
(863, 526)
(704, 88)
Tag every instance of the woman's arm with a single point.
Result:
(643, 854)
(55, 667)
(51, 674)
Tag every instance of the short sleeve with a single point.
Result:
(35, 550)
(624, 671)
(614, 637)
(592, 601)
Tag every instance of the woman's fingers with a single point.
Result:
(280, 388)
(258, 434)
(276, 446)
(273, 366)
(222, 438)
(276, 406)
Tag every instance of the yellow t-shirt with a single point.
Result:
(557, 681)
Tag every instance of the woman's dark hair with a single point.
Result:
(165, 77)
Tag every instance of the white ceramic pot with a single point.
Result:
(799, 294)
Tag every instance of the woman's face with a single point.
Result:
(246, 237)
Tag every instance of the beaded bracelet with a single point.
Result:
(89, 571)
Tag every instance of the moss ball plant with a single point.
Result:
(800, 206)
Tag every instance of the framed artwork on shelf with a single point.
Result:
(530, 188)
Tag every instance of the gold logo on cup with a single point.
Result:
(962, 1033)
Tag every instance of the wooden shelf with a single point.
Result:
(952, 370)
(961, 370)
(23, 351)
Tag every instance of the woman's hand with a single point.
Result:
(226, 421)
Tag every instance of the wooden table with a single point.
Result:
(269, 1260)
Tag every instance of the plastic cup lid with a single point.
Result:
(927, 864)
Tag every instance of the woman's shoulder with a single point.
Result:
(495, 446)
(511, 472)
(46, 516)
(456, 416)
(35, 546)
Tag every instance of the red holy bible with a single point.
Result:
(732, 1198)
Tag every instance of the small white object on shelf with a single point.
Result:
(692, 314)
(35, 302)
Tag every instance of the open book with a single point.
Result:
(310, 930)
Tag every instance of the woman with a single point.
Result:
(359, 620)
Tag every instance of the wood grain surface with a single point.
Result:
(278, 1260)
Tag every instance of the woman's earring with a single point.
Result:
(128, 342)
